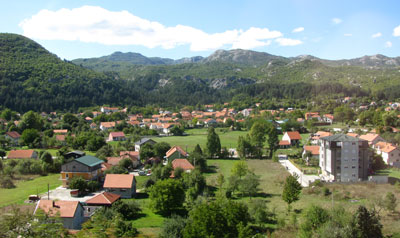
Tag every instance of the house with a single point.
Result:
(284, 144)
(60, 132)
(133, 155)
(371, 138)
(113, 161)
(13, 136)
(104, 126)
(293, 137)
(183, 164)
(109, 109)
(176, 152)
(61, 138)
(93, 125)
(22, 154)
(87, 167)
(74, 154)
(312, 115)
(103, 199)
(210, 122)
(70, 212)
(121, 184)
(311, 152)
(328, 118)
(116, 136)
(142, 142)
(344, 158)
(390, 153)
(315, 139)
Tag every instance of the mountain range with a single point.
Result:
(33, 78)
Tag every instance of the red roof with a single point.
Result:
(105, 166)
(284, 142)
(134, 154)
(174, 149)
(104, 198)
(60, 137)
(113, 160)
(13, 134)
(314, 149)
(60, 131)
(117, 134)
(182, 163)
(294, 135)
(64, 208)
(20, 154)
(118, 180)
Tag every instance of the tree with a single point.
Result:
(315, 217)
(105, 151)
(70, 120)
(173, 227)
(31, 120)
(47, 158)
(198, 150)
(166, 196)
(244, 147)
(161, 148)
(390, 202)
(258, 136)
(249, 184)
(219, 218)
(177, 130)
(272, 139)
(199, 161)
(258, 211)
(29, 136)
(239, 169)
(291, 190)
(366, 224)
(146, 151)
(95, 143)
(78, 183)
(213, 143)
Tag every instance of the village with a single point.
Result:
(121, 161)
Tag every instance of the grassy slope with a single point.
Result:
(199, 136)
(25, 188)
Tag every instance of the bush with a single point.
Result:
(78, 183)
(92, 186)
(173, 227)
(6, 182)
(326, 191)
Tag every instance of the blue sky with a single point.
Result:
(175, 29)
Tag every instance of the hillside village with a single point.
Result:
(106, 156)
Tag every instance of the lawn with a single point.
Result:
(392, 172)
(25, 188)
(199, 136)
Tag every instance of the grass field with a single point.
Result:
(25, 188)
(199, 136)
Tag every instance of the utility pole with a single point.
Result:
(48, 191)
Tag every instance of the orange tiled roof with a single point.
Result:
(182, 163)
(294, 135)
(284, 142)
(314, 149)
(385, 147)
(104, 198)
(63, 131)
(64, 208)
(118, 180)
(369, 137)
(174, 149)
(13, 134)
(20, 154)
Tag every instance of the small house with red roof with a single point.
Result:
(311, 152)
(121, 184)
(22, 154)
(293, 137)
(70, 212)
(13, 136)
(104, 126)
(103, 199)
(116, 136)
(176, 152)
(183, 164)
(390, 153)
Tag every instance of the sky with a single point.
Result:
(328, 29)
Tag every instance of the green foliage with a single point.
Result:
(30, 137)
(366, 223)
(249, 185)
(314, 217)
(6, 182)
(31, 120)
(239, 169)
(47, 158)
(161, 148)
(217, 219)
(259, 213)
(390, 202)
(166, 196)
(78, 183)
(213, 143)
(291, 190)
(198, 150)
(198, 160)
(177, 130)
(146, 152)
(173, 227)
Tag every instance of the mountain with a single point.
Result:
(244, 57)
(31, 78)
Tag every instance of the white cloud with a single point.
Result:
(288, 42)
(93, 24)
(396, 31)
(376, 35)
(388, 44)
(348, 34)
(336, 20)
(298, 29)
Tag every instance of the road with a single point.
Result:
(303, 179)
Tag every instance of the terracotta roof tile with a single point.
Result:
(64, 208)
(20, 154)
(174, 149)
(294, 135)
(13, 134)
(284, 142)
(118, 180)
(104, 198)
(314, 149)
(182, 163)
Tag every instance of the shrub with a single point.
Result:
(6, 182)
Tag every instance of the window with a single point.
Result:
(353, 167)
(354, 143)
(346, 167)
(122, 190)
(353, 175)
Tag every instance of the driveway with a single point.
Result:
(61, 193)
(303, 179)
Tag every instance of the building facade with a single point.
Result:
(344, 158)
